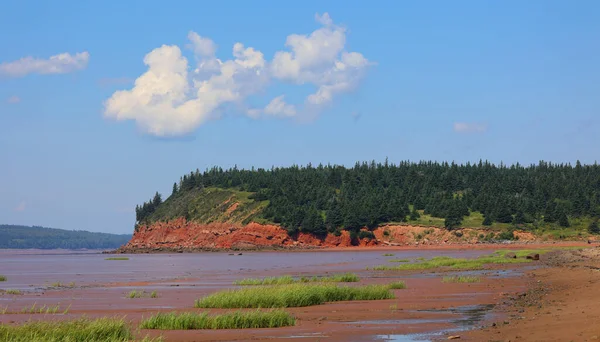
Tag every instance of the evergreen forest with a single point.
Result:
(329, 198)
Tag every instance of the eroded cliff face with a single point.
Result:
(180, 234)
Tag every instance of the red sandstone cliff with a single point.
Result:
(180, 234)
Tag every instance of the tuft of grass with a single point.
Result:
(83, 329)
(44, 309)
(454, 263)
(141, 294)
(135, 294)
(399, 260)
(58, 284)
(397, 285)
(2, 277)
(292, 295)
(287, 279)
(461, 279)
(117, 258)
(231, 320)
(388, 254)
(13, 292)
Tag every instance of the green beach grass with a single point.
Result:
(2, 277)
(102, 329)
(397, 285)
(117, 258)
(399, 260)
(287, 279)
(292, 295)
(461, 279)
(13, 292)
(388, 254)
(454, 263)
(141, 294)
(231, 320)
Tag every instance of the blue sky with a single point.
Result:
(511, 81)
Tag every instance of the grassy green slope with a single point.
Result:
(211, 205)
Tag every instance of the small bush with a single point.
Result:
(232, 320)
(2, 277)
(365, 234)
(593, 228)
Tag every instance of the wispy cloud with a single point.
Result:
(13, 99)
(21, 206)
(172, 99)
(58, 64)
(470, 127)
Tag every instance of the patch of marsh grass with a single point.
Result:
(117, 258)
(58, 284)
(397, 285)
(231, 320)
(461, 279)
(292, 295)
(13, 292)
(287, 279)
(141, 294)
(388, 254)
(399, 260)
(83, 329)
(454, 263)
(44, 309)
(2, 277)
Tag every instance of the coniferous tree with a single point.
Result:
(593, 228)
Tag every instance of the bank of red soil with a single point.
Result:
(183, 235)
(561, 303)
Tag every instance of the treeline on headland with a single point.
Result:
(328, 198)
(22, 237)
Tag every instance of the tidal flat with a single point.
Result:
(424, 305)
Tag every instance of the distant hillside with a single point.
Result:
(558, 198)
(20, 237)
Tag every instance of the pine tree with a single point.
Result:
(563, 220)
(487, 219)
(414, 215)
(174, 189)
(519, 217)
(593, 228)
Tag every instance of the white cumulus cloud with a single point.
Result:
(173, 97)
(470, 127)
(58, 64)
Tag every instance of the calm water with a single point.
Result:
(33, 268)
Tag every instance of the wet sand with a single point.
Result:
(427, 306)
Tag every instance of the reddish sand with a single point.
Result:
(561, 303)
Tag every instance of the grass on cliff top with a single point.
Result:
(287, 279)
(211, 205)
(101, 330)
(231, 320)
(292, 295)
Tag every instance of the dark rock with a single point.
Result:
(534, 256)
(511, 255)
